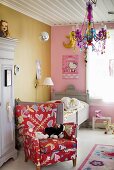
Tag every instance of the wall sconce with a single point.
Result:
(48, 81)
(44, 36)
(36, 83)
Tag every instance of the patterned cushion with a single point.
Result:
(36, 117)
(50, 145)
(54, 157)
(70, 130)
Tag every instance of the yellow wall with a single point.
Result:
(29, 49)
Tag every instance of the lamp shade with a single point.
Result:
(48, 81)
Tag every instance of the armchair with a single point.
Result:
(34, 118)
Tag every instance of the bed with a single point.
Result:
(79, 115)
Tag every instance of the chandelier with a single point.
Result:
(90, 37)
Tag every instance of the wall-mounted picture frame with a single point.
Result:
(8, 77)
(70, 68)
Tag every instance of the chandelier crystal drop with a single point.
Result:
(90, 37)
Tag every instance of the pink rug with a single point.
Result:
(101, 157)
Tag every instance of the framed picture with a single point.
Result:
(70, 68)
(8, 77)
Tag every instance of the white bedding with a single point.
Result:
(71, 103)
(75, 110)
(79, 107)
(77, 115)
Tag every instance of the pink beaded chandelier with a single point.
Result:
(90, 37)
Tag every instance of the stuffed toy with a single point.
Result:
(4, 29)
(40, 135)
(109, 127)
(70, 103)
(55, 132)
(98, 113)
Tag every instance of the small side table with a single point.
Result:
(99, 118)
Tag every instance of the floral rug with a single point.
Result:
(101, 157)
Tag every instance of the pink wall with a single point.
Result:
(58, 34)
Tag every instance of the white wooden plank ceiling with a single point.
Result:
(62, 12)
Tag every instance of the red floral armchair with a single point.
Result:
(34, 118)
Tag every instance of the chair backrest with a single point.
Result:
(37, 116)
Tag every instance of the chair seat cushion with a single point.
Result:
(50, 145)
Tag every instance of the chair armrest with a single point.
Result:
(31, 147)
(26, 132)
(70, 131)
(29, 138)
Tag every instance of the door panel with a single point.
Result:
(7, 122)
